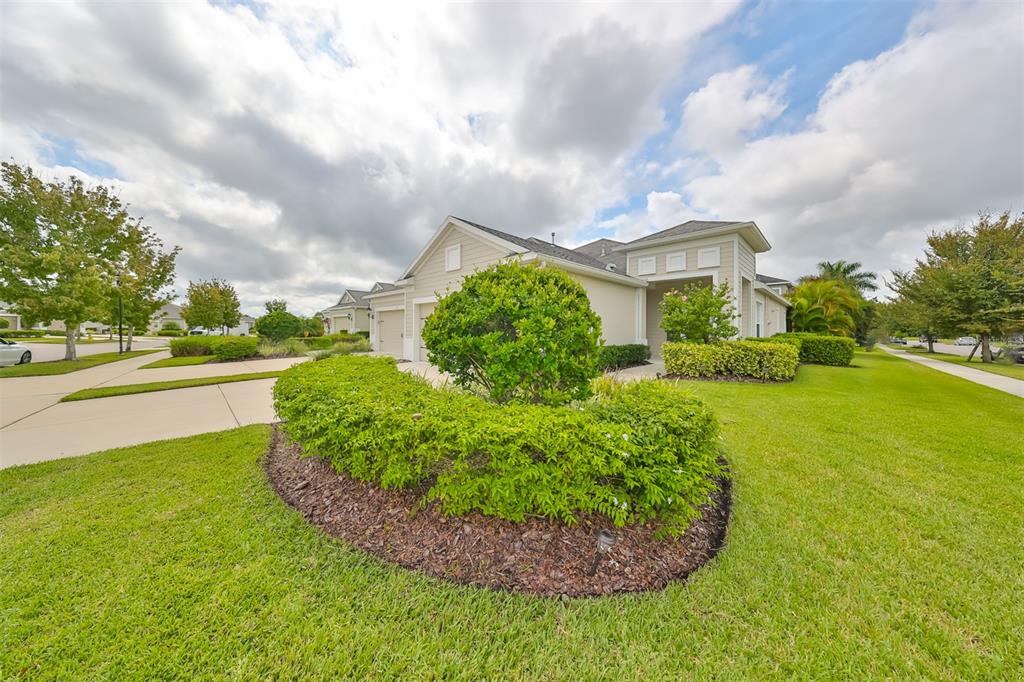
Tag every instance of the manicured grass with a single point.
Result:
(36, 369)
(1015, 371)
(183, 361)
(876, 533)
(131, 389)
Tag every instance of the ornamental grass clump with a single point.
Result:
(635, 452)
(517, 333)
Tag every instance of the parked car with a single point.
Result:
(898, 341)
(1015, 353)
(12, 353)
(198, 331)
(966, 341)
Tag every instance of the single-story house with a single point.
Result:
(352, 311)
(625, 281)
(12, 318)
(244, 326)
(169, 313)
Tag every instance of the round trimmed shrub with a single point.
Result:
(518, 333)
(635, 451)
(279, 325)
(235, 348)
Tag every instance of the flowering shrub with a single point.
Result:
(698, 313)
(636, 452)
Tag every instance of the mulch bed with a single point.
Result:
(540, 556)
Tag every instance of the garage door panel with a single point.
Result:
(390, 325)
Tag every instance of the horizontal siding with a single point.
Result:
(748, 261)
(660, 254)
(432, 279)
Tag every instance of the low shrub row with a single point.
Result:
(359, 345)
(325, 342)
(23, 333)
(741, 359)
(820, 349)
(634, 452)
(170, 332)
(223, 347)
(610, 358)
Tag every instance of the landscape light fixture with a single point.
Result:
(605, 542)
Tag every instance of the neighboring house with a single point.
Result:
(244, 326)
(13, 318)
(350, 314)
(169, 313)
(776, 284)
(625, 281)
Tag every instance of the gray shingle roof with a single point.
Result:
(541, 246)
(357, 294)
(601, 249)
(768, 279)
(689, 227)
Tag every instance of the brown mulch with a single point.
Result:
(539, 556)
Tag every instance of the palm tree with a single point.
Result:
(849, 274)
(824, 307)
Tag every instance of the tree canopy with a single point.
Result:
(212, 304)
(847, 273)
(824, 307)
(698, 313)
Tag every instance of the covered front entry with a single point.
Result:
(655, 292)
(390, 325)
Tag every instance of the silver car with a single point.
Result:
(12, 353)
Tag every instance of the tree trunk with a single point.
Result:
(69, 341)
(931, 344)
(128, 345)
(986, 348)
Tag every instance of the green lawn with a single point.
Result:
(1015, 371)
(876, 533)
(131, 389)
(183, 361)
(36, 369)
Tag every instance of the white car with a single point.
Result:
(12, 353)
(966, 341)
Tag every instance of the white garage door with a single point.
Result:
(390, 324)
(423, 311)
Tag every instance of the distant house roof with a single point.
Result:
(543, 247)
(768, 279)
(601, 249)
(687, 228)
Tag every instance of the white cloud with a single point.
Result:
(721, 116)
(300, 147)
(922, 136)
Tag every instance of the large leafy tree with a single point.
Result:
(212, 304)
(824, 307)
(143, 273)
(60, 242)
(971, 279)
(847, 273)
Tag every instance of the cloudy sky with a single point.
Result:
(298, 149)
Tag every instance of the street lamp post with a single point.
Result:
(120, 319)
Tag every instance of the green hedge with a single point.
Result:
(170, 332)
(820, 349)
(764, 361)
(23, 333)
(328, 340)
(625, 355)
(634, 452)
(236, 347)
(224, 347)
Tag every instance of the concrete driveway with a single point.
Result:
(35, 426)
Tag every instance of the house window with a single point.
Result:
(453, 258)
(645, 266)
(674, 262)
(709, 258)
(777, 290)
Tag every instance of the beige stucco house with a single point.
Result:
(625, 281)
(350, 314)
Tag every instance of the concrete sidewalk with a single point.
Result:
(35, 426)
(996, 381)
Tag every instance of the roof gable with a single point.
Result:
(703, 228)
(492, 237)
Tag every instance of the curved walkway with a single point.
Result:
(35, 426)
(996, 381)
